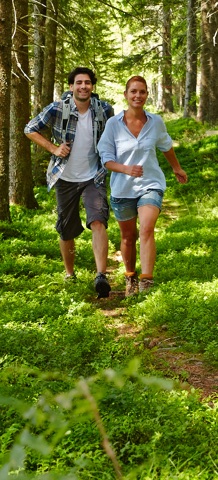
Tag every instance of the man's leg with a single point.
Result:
(99, 245)
(67, 248)
(97, 213)
(100, 250)
(68, 223)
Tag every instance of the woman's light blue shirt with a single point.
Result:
(118, 144)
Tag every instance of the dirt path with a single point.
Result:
(188, 368)
(168, 356)
(191, 371)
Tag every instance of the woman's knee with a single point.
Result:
(129, 238)
(146, 231)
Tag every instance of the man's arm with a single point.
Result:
(42, 121)
(60, 151)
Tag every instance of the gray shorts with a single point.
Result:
(68, 196)
(127, 208)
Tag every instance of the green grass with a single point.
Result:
(67, 359)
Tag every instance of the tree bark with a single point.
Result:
(167, 103)
(5, 85)
(190, 107)
(50, 52)
(40, 157)
(21, 180)
(213, 20)
(39, 43)
(208, 107)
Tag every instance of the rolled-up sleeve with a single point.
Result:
(41, 121)
(164, 142)
(106, 145)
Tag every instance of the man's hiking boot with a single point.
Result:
(102, 286)
(145, 284)
(131, 284)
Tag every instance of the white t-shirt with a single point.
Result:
(82, 164)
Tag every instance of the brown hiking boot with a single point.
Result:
(131, 284)
(145, 284)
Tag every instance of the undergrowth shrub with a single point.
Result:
(49, 422)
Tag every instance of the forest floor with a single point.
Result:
(168, 353)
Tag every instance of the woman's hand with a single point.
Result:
(134, 170)
(181, 175)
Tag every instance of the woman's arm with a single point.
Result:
(107, 150)
(173, 161)
(132, 170)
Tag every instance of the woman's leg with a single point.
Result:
(129, 235)
(148, 215)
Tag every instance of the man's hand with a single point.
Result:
(62, 150)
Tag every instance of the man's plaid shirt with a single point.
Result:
(51, 117)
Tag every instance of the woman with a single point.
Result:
(128, 148)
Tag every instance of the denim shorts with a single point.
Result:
(127, 208)
(68, 195)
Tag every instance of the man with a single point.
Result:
(73, 170)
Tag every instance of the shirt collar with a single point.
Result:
(121, 114)
(75, 109)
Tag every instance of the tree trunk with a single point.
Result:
(21, 181)
(190, 107)
(5, 79)
(208, 108)
(40, 157)
(39, 43)
(167, 103)
(50, 52)
(205, 64)
(213, 19)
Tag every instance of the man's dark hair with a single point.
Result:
(78, 71)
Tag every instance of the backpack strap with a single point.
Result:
(67, 103)
(99, 120)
